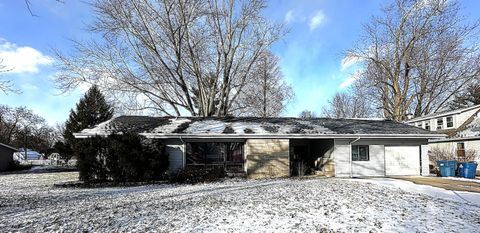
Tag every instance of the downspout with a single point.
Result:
(350, 155)
(184, 154)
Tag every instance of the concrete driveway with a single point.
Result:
(445, 183)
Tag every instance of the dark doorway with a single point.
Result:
(309, 156)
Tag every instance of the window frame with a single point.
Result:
(427, 125)
(451, 122)
(356, 148)
(439, 126)
(460, 150)
(230, 155)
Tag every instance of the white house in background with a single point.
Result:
(277, 147)
(462, 127)
(31, 155)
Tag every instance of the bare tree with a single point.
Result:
(20, 126)
(177, 57)
(417, 55)
(6, 86)
(266, 94)
(351, 104)
(307, 114)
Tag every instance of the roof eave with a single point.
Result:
(258, 136)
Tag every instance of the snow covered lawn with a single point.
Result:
(29, 202)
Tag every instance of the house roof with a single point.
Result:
(255, 127)
(442, 113)
(8, 147)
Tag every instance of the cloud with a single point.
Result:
(22, 59)
(351, 79)
(317, 20)
(289, 17)
(349, 61)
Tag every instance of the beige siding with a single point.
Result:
(267, 158)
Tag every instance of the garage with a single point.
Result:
(402, 160)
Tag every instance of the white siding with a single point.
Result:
(374, 167)
(425, 160)
(176, 157)
(341, 156)
(402, 160)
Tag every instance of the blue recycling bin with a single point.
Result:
(461, 170)
(470, 170)
(447, 167)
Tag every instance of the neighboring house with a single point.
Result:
(31, 155)
(462, 127)
(276, 147)
(6, 156)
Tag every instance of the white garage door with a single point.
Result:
(402, 160)
(175, 157)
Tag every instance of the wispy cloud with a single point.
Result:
(22, 59)
(317, 20)
(351, 79)
(289, 16)
(349, 61)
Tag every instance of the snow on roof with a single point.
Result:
(471, 130)
(251, 126)
(172, 126)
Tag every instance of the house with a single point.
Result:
(6, 156)
(31, 155)
(277, 147)
(462, 127)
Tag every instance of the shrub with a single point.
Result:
(121, 158)
(192, 175)
(448, 153)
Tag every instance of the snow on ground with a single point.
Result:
(29, 202)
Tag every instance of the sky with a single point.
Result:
(311, 54)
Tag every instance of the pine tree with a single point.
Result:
(91, 110)
(470, 97)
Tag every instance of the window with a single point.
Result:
(461, 150)
(439, 123)
(449, 122)
(427, 125)
(419, 124)
(215, 154)
(360, 153)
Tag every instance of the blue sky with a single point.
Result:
(310, 55)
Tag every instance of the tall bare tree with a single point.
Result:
(179, 57)
(417, 55)
(266, 94)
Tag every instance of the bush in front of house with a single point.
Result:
(121, 158)
(192, 175)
